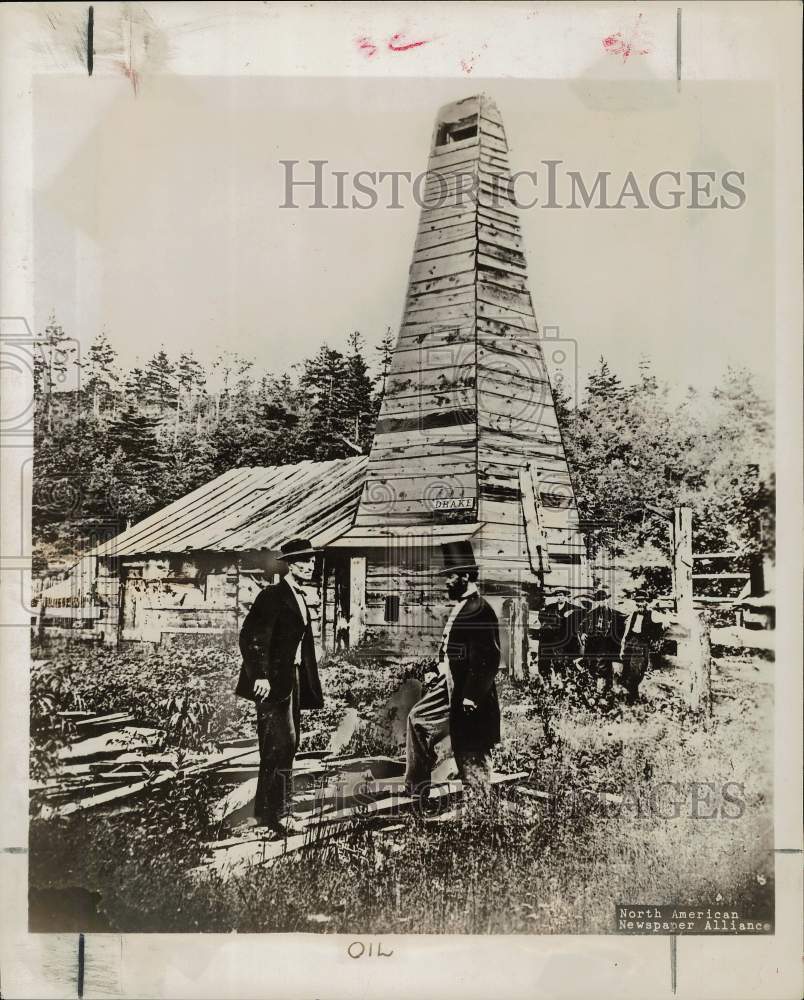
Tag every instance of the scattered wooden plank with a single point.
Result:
(235, 775)
(134, 788)
(99, 720)
(243, 741)
(113, 743)
(247, 853)
(311, 754)
(343, 734)
(238, 801)
(379, 766)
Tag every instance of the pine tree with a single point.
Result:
(159, 381)
(270, 434)
(191, 380)
(360, 402)
(133, 470)
(386, 351)
(648, 383)
(324, 426)
(603, 383)
(57, 355)
(190, 373)
(134, 384)
(101, 377)
(563, 405)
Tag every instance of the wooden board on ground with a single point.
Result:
(345, 731)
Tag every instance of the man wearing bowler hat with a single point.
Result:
(460, 698)
(280, 675)
(558, 639)
(601, 631)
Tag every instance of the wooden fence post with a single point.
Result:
(682, 563)
(40, 624)
(357, 599)
(700, 670)
(519, 638)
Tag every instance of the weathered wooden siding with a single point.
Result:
(404, 575)
(517, 422)
(161, 596)
(425, 443)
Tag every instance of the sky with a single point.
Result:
(158, 218)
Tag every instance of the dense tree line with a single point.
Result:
(129, 442)
(639, 449)
(126, 443)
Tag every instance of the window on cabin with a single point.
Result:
(464, 128)
(392, 608)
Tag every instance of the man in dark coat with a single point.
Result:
(643, 628)
(558, 639)
(601, 631)
(461, 697)
(280, 675)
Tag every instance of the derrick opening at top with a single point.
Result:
(464, 128)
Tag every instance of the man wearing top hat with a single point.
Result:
(643, 628)
(280, 675)
(461, 697)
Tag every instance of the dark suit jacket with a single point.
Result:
(269, 639)
(651, 630)
(603, 628)
(558, 634)
(473, 648)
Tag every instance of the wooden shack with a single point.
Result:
(195, 567)
(467, 444)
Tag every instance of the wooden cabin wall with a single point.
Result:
(168, 595)
(407, 577)
(109, 593)
(336, 597)
(153, 598)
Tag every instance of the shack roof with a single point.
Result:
(252, 508)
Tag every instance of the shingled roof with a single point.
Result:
(252, 508)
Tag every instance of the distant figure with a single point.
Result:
(601, 634)
(558, 639)
(280, 674)
(643, 627)
(341, 631)
(461, 697)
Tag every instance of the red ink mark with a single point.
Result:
(132, 75)
(366, 45)
(394, 46)
(617, 45)
(468, 64)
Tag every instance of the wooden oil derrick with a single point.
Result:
(467, 443)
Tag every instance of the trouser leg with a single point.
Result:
(428, 722)
(635, 665)
(278, 733)
(603, 671)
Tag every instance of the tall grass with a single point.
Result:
(556, 860)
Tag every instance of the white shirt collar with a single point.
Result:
(470, 589)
